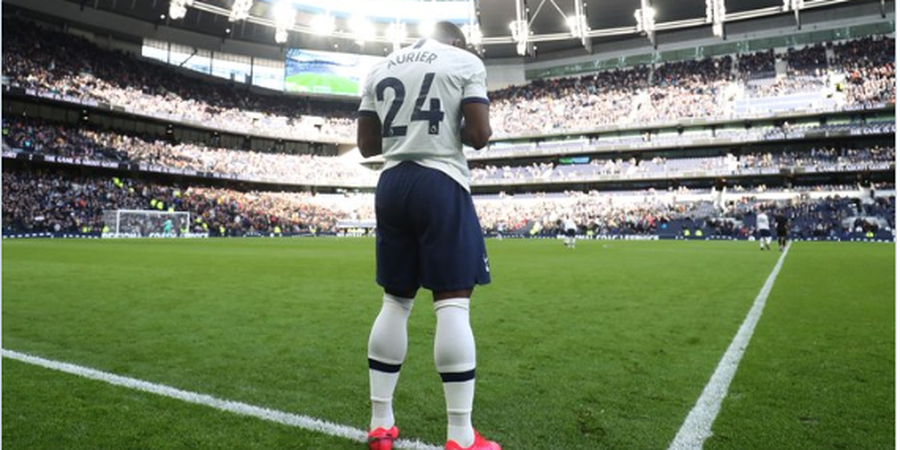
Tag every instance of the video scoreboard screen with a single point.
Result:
(317, 72)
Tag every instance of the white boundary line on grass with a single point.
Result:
(697, 427)
(284, 418)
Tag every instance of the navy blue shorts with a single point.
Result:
(765, 233)
(428, 233)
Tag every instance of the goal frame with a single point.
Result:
(117, 229)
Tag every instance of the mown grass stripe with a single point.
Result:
(284, 418)
(698, 425)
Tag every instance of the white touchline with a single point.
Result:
(698, 425)
(295, 420)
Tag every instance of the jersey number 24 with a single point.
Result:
(434, 115)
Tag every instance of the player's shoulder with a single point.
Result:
(379, 65)
(375, 70)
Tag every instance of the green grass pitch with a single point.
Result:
(321, 83)
(604, 347)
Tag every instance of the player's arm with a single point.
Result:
(476, 129)
(368, 133)
(477, 126)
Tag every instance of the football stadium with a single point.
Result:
(664, 225)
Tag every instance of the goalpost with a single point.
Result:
(146, 223)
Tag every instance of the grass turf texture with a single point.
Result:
(820, 368)
(321, 83)
(607, 346)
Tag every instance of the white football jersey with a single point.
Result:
(417, 92)
(762, 221)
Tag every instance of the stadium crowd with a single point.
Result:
(58, 201)
(40, 137)
(826, 159)
(69, 66)
(870, 70)
(860, 75)
(701, 88)
(37, 136)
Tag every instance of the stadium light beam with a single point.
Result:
(281, 36)
(519, 28)
(285, 18)
(362, 29)
(426, 27)
(178, 8)
(646, 21)
(473, 34)
(323, 24)
(396, 33)
(796, 6)
(578, 24)
(715, 14)
(240, 10)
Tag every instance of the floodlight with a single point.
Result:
(718, 29)
(646, 23)
(715, 14)
(281, 35)
(522, 48)
(240, 10)
(285, 16)
(577, 25)
(178, 8)
(473, 34)
(519, 29)
(645, 19)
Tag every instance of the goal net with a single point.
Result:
(138, 223)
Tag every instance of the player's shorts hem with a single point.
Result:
(431, 288)
(456, 288)
(389, 288)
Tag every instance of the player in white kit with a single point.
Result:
(570, 230)
(419, 106)
(765, 233)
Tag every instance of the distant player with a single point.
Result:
(167, 228)
(570, 229)
(419, 106)
(781, 230)
(762, 225)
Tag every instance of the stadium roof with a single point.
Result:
(607, 20)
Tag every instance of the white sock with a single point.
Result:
(454, 357)
(387, 349)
